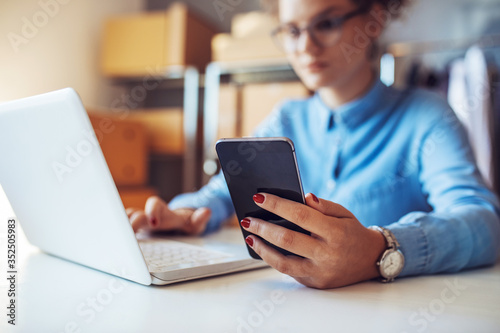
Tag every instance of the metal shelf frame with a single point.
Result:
(190, 80)
(236, 72)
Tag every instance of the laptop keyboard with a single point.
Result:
(163, 255)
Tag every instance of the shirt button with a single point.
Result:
(331, 184)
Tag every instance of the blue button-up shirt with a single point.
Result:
(398, 159)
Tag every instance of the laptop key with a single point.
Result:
(163, 255)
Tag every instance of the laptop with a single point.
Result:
(59, 185)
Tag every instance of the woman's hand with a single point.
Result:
(339, 252)
(156, 216)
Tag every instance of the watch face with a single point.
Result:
(391, 264)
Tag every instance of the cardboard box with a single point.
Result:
(124, 145)
(226, 48)
(135, 197)
(258, 100)
(250, 39)
(164, 128)
(254, 23)
(148, 43)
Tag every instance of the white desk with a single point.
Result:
(57, 296)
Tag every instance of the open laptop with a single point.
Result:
(57, 181)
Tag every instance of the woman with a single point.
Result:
(375, 155)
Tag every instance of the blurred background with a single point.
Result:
(175, 76)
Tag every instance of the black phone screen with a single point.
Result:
(253, 165)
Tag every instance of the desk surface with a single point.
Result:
(60, 296)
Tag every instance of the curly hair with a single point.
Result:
(395, 7)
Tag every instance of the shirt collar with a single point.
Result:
(352, 113)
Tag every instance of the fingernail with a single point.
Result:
(315, 198)
(259, 198)
(245, 223)
(154, 221)
(249, 241)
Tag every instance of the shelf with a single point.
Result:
(189, 80)
(272, 70)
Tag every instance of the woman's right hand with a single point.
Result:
(156, 216)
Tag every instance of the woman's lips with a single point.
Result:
(316, 66)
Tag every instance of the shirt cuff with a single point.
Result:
(194, 201)
(413, 243)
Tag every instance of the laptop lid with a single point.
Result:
(58, 183)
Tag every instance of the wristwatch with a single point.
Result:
(392, 261)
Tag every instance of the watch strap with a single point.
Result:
(392, 242)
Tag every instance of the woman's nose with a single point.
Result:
(307, 44)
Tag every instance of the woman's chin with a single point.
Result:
(316, 82)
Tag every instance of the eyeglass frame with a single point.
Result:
(338, 21)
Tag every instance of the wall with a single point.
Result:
(51, 44)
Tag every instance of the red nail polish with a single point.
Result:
(249, 241)
(245, 223)
(315, 198)
(259, 198)
(154, 221)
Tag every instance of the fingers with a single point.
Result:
(161, 218)
(327, 207)
(284, 238)
(130, 211)
(197, 222)
(290, 265)
(306, 217)
(138, 218)
(157, 216)
(156, 211)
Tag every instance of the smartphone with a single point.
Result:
(253, 165)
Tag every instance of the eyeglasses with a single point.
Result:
(324, 31)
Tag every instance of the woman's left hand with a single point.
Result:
(340, 250)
